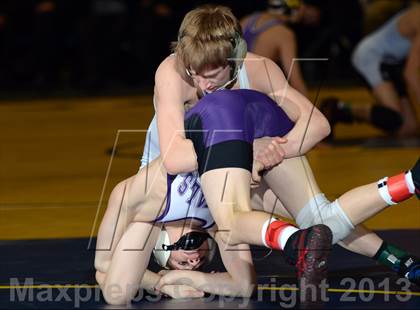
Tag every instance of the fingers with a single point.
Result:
(280, 140)
(182, 291)
(159, 285)
(272, 155)
(194, 294)
(257, 167)
(163, 272)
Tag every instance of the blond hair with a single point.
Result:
(207, 37)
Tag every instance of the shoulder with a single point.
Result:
(262, 72)
(171, 72)
(255, 64)
(168, 67)
(282, 32)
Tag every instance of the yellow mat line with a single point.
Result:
(262, 288)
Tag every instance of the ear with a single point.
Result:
(239, 52)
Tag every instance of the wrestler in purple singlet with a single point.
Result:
(224, 124)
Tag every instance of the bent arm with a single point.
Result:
(177, 152)
(288, 52)
(311, 126)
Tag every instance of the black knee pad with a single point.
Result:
(386, 118)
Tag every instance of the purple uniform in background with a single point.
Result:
(251, 32)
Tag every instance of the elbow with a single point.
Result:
(248, 287)
(249, 291)
(322, 125)
(116, 301)
(326, 129)
(114, 296)
(170, 166)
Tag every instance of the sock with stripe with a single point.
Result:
(275, 233)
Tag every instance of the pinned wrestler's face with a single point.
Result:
(211, 78)
(189, 260)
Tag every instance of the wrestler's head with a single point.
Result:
(307, 12)
(283, 7)
(210, 47)
(190, 252)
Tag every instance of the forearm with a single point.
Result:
(149, 281)
(180, 157)
(308, 131)
(217, 283)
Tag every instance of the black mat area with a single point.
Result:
(356, 282)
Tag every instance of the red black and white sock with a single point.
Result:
(275, 233)
(397, 188)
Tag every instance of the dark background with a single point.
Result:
(98, 46)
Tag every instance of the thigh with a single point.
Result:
(131, 258)
(140, 198)
(293, 183)
(227, 192)
(113, 225)
(264, 199)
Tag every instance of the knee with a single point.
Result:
(115, 301)
(101, 263)
(360, 56)
(109, 292)
(321, 211)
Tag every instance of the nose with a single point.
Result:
(204, 84)
(194, 261)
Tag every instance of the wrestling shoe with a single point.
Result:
(308, 250)
(409, 267)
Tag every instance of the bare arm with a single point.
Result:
(288, 55)
(177, 152)
(310, 124)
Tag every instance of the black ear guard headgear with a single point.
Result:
(188, 242)
(238, 53)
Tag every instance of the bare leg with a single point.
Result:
(386, 94)
(129, 262)
(113, 225)
(362, 203)
(409, 127)
(127, 204)
(227, 193)
(361, 240)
